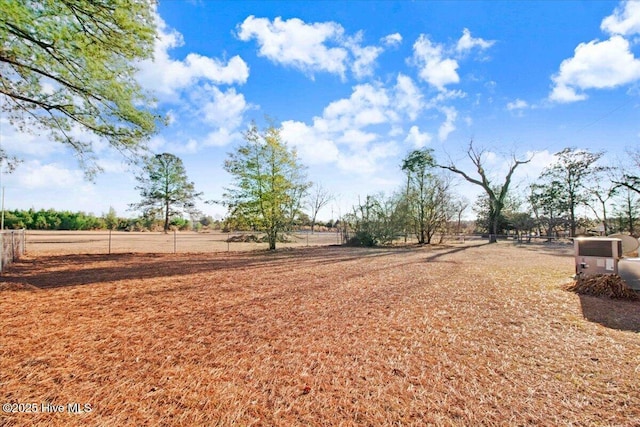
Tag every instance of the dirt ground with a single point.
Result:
(459, 335)
(103, 242)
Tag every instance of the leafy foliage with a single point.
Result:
(568, 180)
(627, 212)
(550, 205)
(511, 205)
(375, 222)
(165, 189)
(52, 220)
(427, 199)
(70, 64)
(269, 183)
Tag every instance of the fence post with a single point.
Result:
(110, 241)
(174, 241)
(13, 246)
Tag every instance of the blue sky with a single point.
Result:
(356, 85)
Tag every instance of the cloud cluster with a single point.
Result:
(625, 20)
(356, 133)
(166, 77)
(601, 64)
(193, 90)
(349, 130)
(313, 47)
(438, 65)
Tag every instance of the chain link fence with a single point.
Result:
(113, 242)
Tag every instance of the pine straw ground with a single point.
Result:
(469, 335)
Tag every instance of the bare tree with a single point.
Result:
(495, 193)
(319, 198)
(460, 205)
(629, 180)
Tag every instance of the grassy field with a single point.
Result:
(97, 242)
(454, 335)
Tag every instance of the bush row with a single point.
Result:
(65, 220)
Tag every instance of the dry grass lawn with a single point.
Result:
(326, 336)
(97, 242)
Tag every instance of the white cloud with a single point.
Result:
(595, 65)
(359, 132)
(416, 138)
(201, 114)
(435, 69)
(23, 143)
(221, 137)
(313, 147)
(365, 162)
(156, 143)
(113, 166)
(364, 57)
(36, 175)
(408, 97)
(367, 105)
(624, 21)
(313, 47)
(532, 170)
(221, 109)
(356, 139)
(437, 63)
(392, 40)
(518, 104)
(166, 76)
(343, 135)
(451, 114)
(297, 44)
(467, 43)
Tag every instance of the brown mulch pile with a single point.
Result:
(253, 238)
(604, 285)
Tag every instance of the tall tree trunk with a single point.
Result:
(493, 232)
(273, 237)
(166, 218)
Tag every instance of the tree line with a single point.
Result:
(428, 204)
(51, 219)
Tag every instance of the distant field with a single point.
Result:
(328, 336)
(97, 242)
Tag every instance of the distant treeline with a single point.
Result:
(51, 219)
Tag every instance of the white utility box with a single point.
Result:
(597, 255)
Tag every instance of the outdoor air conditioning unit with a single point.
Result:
(597, 255)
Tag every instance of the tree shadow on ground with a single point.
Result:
(453, 250)
(556, 249)
(56, 271)
(612, 313)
